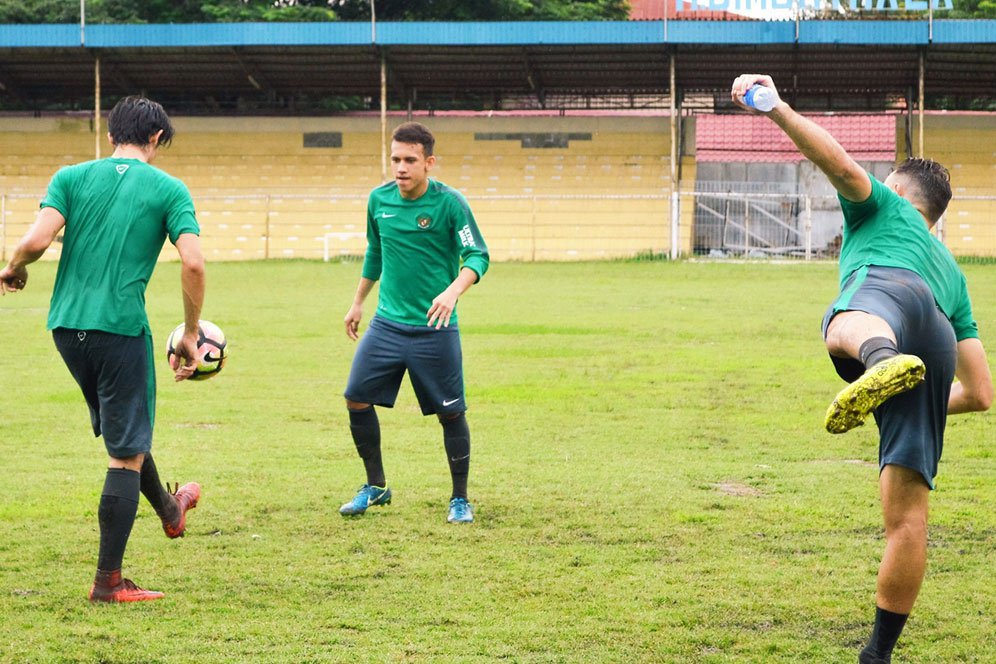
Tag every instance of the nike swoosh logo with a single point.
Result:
(384, 215)
(451, 401)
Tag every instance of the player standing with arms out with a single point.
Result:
(900, 331)
(424, 246)
(117, 212)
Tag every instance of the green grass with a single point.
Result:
(651, 479)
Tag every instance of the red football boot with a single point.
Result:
(110, 587)
(186, 499)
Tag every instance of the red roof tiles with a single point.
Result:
(756, 138)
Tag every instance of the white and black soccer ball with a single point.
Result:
(212, 349)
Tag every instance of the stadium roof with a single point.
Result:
(814, 62)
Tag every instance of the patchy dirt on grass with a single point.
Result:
(737, 489)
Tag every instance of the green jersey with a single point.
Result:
(118, 214)
(416, 248)
(886, 230)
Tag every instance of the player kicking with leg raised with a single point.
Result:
(115, 214)
(900, 331)
(424, 246)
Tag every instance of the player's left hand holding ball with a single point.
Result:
(183, 360)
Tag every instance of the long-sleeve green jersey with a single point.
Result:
(416, 248)
(886, 230)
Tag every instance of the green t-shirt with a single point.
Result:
(118, 214)
(886, 230)
(416, 248)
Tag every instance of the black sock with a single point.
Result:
(154, 491)
(365, 427)
(888, 627)
(875, 350)
(456, 439)
(116, 514)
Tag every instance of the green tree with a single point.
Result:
(484, 10)
(39, 11)
(972, 9)
(210, 11)
(164, 11)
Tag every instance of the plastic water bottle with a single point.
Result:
(762, 98)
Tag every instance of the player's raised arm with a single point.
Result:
(813, 141)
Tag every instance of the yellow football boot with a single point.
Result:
(875, 386)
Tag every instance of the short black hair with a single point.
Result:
(134, 119)
(415, 133)
(932, 183)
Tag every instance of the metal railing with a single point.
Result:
(545, 227)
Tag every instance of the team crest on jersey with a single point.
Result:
(423, 221)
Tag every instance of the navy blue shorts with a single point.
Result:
(432, 358)
(911, 425)
(118, 380)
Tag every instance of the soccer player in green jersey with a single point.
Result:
(114, 215)
(424, 247)
(900, 332)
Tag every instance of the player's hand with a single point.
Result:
(12, 280)
(183, 362)
(745, 82)
(352, 321)
(442, 308)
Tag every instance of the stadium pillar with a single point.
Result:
(383, 117)
(266, 230)
(920, 110)
(96, 107)
(908, 122)
(673, 114)
(807, 221)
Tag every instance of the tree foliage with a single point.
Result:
(972, 9)
(485, 10)
(211, 11)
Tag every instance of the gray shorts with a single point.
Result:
(118, 380)
(432, 357)
(911, 425)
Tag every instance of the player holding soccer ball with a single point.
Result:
(424, 246)
(115, 214)
(900, 331)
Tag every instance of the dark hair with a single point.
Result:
(932, 184)
(134, 119)
(415, 133)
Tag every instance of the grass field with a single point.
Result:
(651, 479)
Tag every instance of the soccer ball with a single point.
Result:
(212, 349)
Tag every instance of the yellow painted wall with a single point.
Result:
(260, 193)
(966, 145)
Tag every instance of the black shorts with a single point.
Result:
(118, 380)
(911, 425)
(432, 358)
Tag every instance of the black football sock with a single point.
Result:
(456, 439)
(116, 514)
(365, 427)
(876, 350)
(154, 491)
(888, 627)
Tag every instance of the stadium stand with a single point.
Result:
(544, 188)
